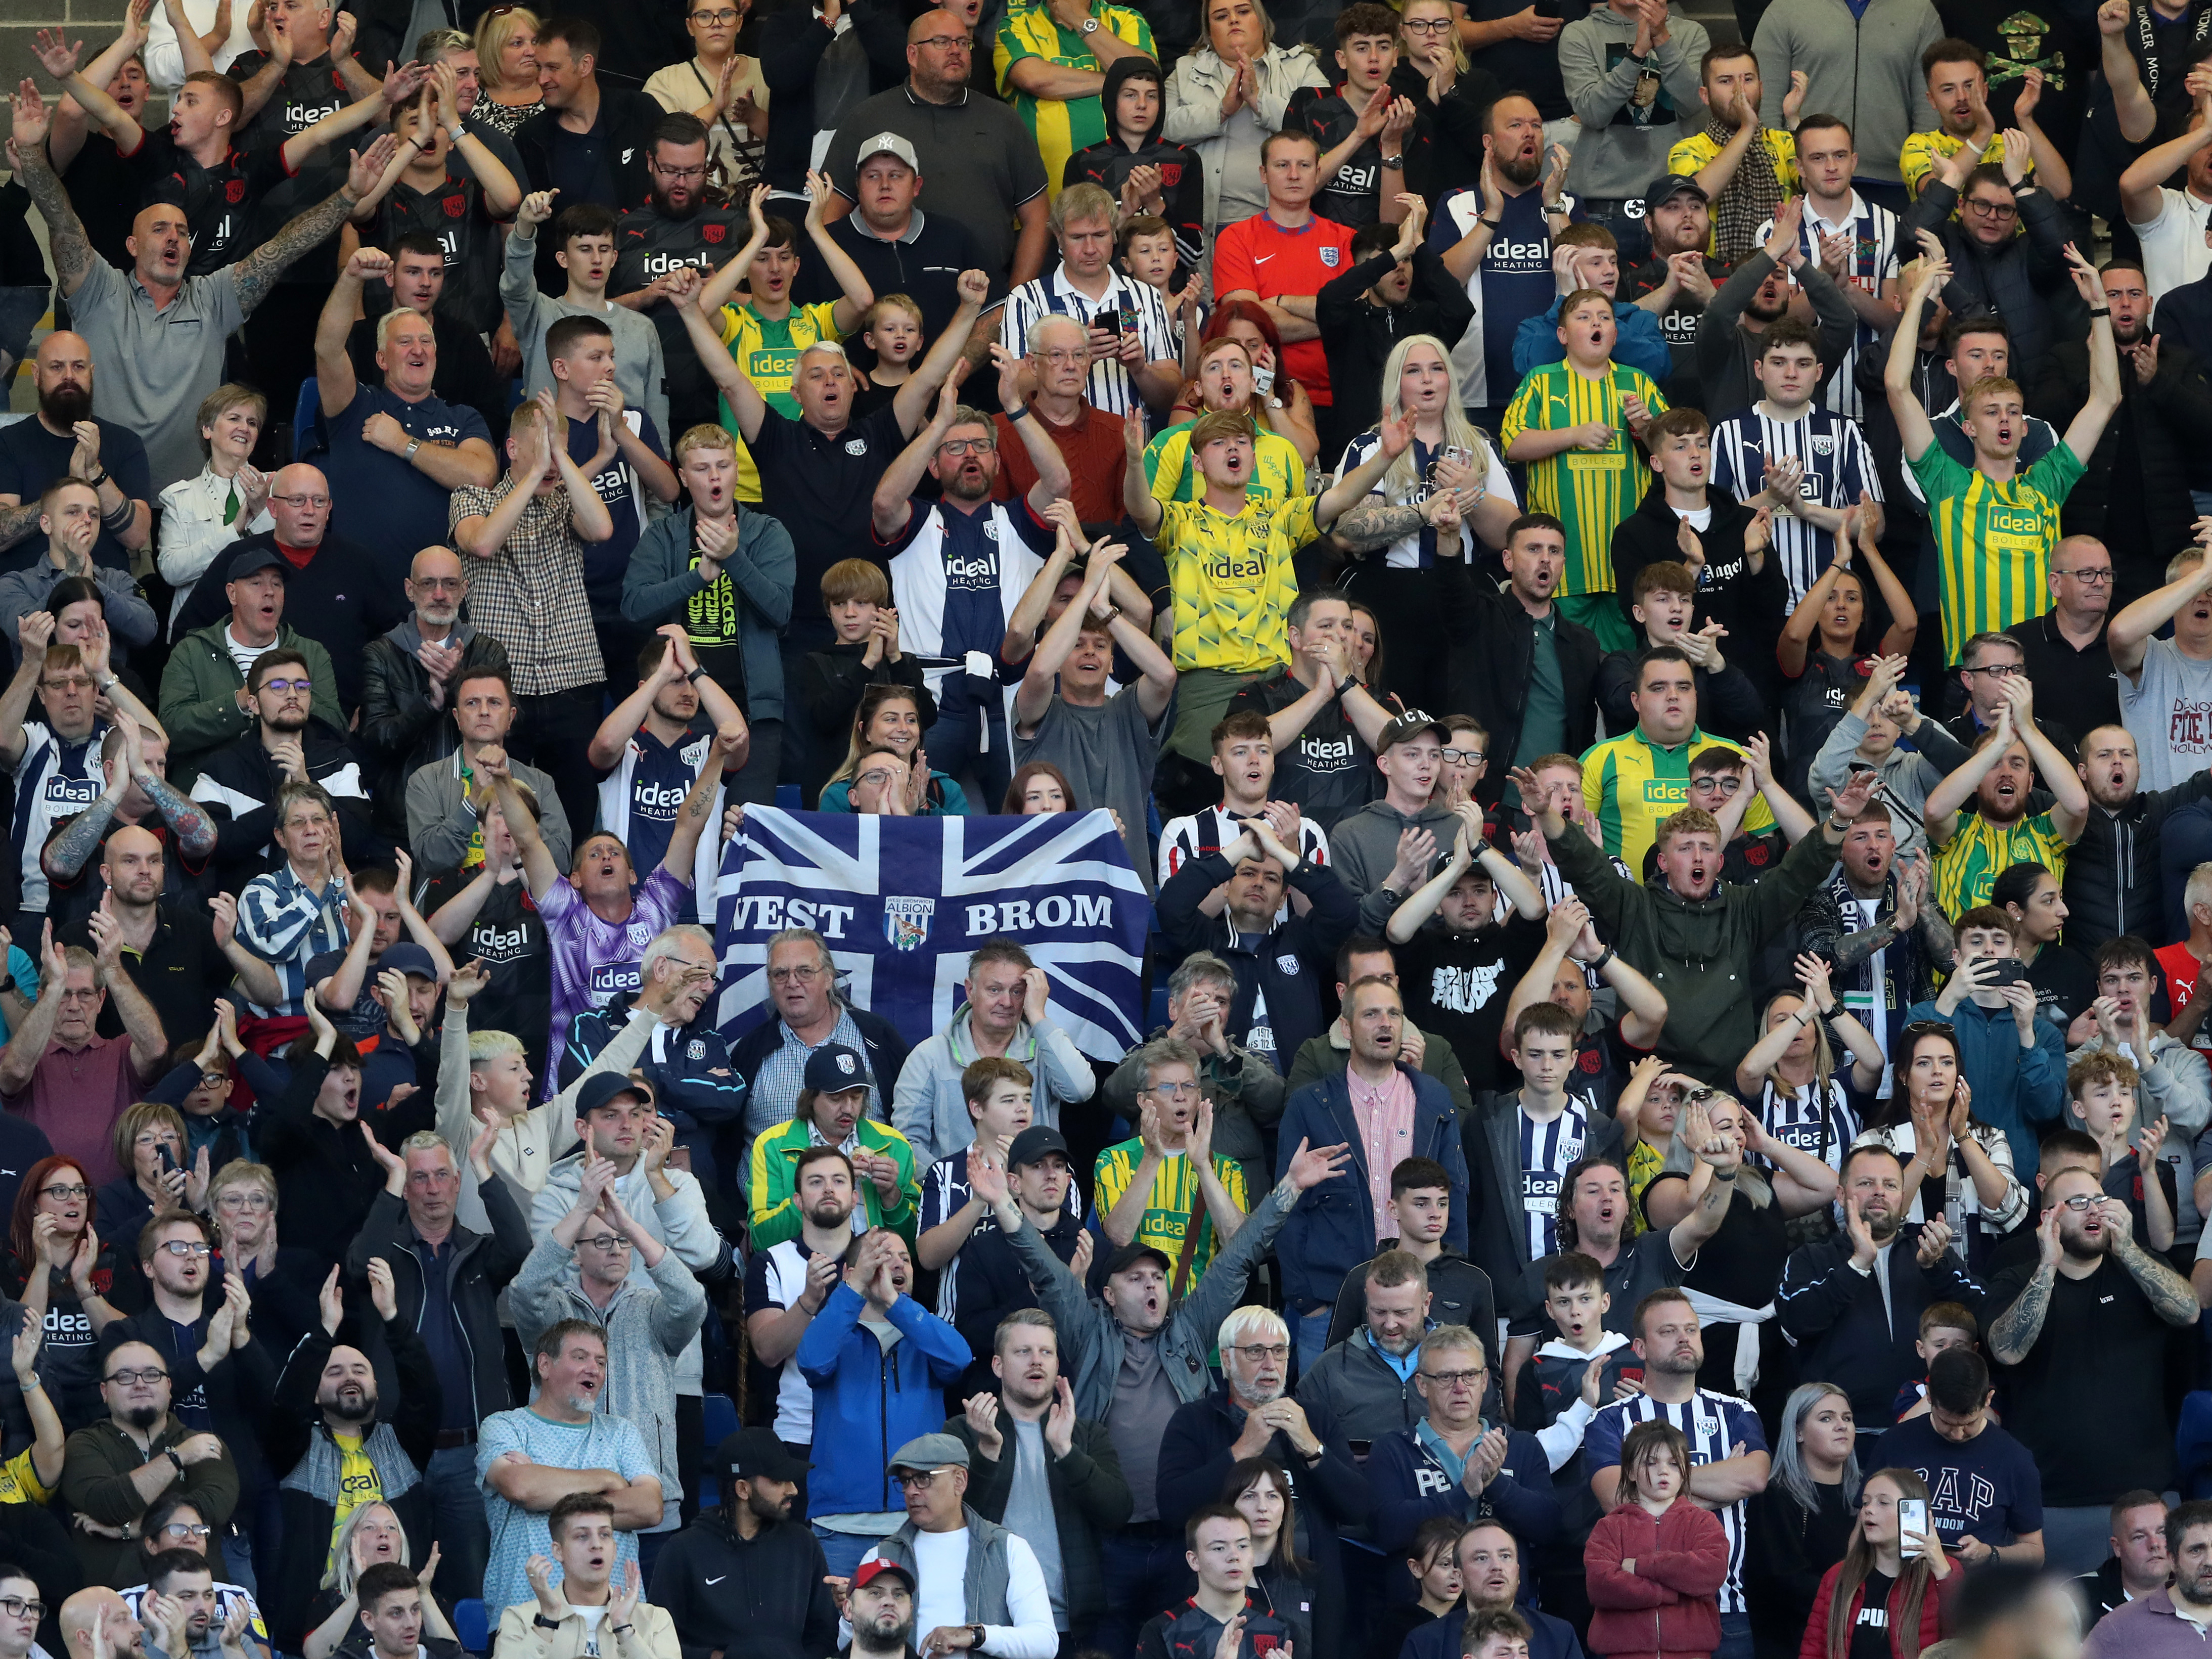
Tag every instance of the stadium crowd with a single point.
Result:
(1641, 608)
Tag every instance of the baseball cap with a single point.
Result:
(601, 1087)
(408, 958)
(833, 1068)
(1411, 724)
(931, 1451)
(1667, 185)
(249, 559)
(1033, 1143)
(868, 1572)
(751, 1452)
(1131, 1254)
(886, 143)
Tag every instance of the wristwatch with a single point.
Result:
(413, 444)
(1090, 26)
(976, 1632)
(1397, 163)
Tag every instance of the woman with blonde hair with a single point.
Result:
(506, 61)
(1228, 97)
(1448, 459)
(1889, 1565)
(159, 1173)
(370, 1534)
(1803, 1098)
(203, 517)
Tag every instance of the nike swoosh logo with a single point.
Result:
(717, 1581)
(1261, 258)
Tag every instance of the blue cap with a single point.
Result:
(833, 1068)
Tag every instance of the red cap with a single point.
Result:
(869, 1571)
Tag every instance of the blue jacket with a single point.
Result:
(1331, 1229)
(877, 1402)
(2015, 1089)
(1411, 1484)
(1549, 1637)
(664, 578)
(1640, 345)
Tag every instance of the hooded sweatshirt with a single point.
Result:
(1183, 175)
(1863, 64)
(1625, 138)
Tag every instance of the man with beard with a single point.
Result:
(1729, 1461)
(1745, 168)
(409, 680)
(97, 1624)
(881, 1612)
(65, 439)
(1731, 334)
(1360, 1389)
(1872, 923)
(2174, 1592)
(2090, 1320)
(396, 450)
(676, 228)
(651, 748)
(1036, 1468)
(1496, 237)
(181, 1604)
(1852, 1303)
(966, 560)
(785, 1286)
(464, 373)
(529, 1459)
(767, 1595)
(238, 784)
(1980, 818)
(331, 589)
(446, 1278)
(108, 1467)
(1676, 281)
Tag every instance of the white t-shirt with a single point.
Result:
(941, 1560)
(2168, 711)
(2173, 251)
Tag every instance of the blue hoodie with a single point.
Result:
(878, 1400)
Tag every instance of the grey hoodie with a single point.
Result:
(1908, 774)
(2177, 1086)
(1617, 156)
(1866, 69)
(929, 1110)
(1364, 846)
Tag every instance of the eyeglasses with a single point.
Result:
(2088, 575)
(131, 1379)
(17, 1608)
(302, 500)
(182, 1247)
(966, 446)
(1463, 757)
(945, 42)
(880, 776)
(1173, 1090)
(440, 584)
(1256, 1351)
(911, 1482)
(1990, 210)
(2081, 1201)
(1427, 25)
(1726, 786)
(63, 1194)
(1065, 358)
(73, 682)
(2001, 670)
(1458, 1379)
(794, 976)
(699, 172)
(603, 1242)
(210, 1079)
(244, 1201)
(288, 685)
(186, 1530)
(718, 19)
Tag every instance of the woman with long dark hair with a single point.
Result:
(890, 717)
(1297, 1572)
(1955, 1165)
(53, 1232)
(1801, 1525)
(1913, 1588)
(1825, 640)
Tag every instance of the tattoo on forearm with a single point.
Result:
(1852, 950)
(258, 272)
(2017, 1327)
(72, 249)
(1943, 943)
(1373, 523)
(195, 830)
(18, 523)
(67, 854)
(2170, 1294)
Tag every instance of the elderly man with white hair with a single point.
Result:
(1253, 1415)
(1463, 1467)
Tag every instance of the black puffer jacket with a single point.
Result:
(398, 728)
(2112, 872)
(1486, 675)
(2023, 279)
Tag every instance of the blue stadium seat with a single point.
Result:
(721, 1420)
(473, 1626)
(786, 797)
(308, 438)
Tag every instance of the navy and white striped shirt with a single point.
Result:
(1821, 1129)
(1547, 1150)
(55, 779)
(1838, 467)
(288, 924)
(1109, 387)
(1872, 261)
(1713, 1423)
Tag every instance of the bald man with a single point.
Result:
(96, 1624)
(65, 439)
(979, 160)
(137, 794)
(334, 592)
(408, 680)
(172, 957)
(398, 451)
(157, 333)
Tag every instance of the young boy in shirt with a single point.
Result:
(1663, 604)
(1459, 1292)
(1685, 518)
(1942, 1325)
(1244, 761)
(892, 331)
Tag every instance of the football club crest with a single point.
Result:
(456, 206)
(1329, 257)
(713, 233)
(856, 446)
(906, 921)
(1824, 445)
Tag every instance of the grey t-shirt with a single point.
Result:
(1107, 754)
(1137, 1420)
(2170, 715)
(980, 161)
(1029, 1512)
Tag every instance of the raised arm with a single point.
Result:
(944, 352)
(855, 296)
(256, 273)
(2069, 808)
(2138, 116)
(1923, 277)
(892, 507)
(727, 751)
(2128, 635)
(2104, 400)
(538, 866)
(334, 385)
(27, 155)
(1136, 492)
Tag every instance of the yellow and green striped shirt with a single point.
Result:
(1634, 785)
(768, 352)
(1589, 491)
(1175, 1199)
(1922, 150)
(1278, 470)
(1993, 540)
(1978, 852)
(1233, 581)
(1062, 126)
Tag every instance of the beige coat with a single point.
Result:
(652, 1636)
